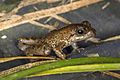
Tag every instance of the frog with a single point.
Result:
(56, 40)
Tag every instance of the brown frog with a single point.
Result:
(56, 40)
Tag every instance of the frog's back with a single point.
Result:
(56, 36)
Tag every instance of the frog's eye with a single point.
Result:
(80, 31)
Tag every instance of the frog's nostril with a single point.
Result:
(91, 34)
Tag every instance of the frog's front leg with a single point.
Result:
(75, 47)
(58, 50)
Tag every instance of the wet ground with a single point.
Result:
(106, 22)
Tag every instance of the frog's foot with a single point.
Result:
(28, 41)
(23, 46)
(59, 54)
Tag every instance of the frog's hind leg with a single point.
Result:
(28, 41)
(24, 43)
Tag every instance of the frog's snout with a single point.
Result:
(91, 37)
(90, 34)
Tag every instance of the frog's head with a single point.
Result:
(83, 31)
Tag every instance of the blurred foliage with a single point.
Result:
(8, 5)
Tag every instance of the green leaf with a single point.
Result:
(80, 68)
(101, 63)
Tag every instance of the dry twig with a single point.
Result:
(21, 57)
(22, 67)
(106, 5)
(44, 13)
(61, 19)
(111, 38)
(117, 75)
(31, 2)
(24, 3)
(40, 24)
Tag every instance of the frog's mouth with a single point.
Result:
(90, 36)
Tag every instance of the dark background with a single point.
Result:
(106, 22)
